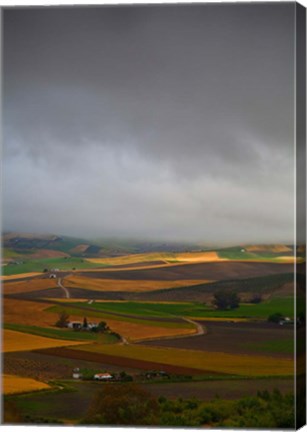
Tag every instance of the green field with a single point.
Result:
(65, 334)
(72, 309)
(38, 265)
(284, 305)
(277, 346)
(235, 253)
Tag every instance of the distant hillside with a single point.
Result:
(17, 245)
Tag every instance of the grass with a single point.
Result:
(62, 334)
(239, 253)
(38, 265)
(277, 346)
(284, 305)
(246, 365)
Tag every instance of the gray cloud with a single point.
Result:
(166, 122)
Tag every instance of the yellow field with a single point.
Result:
(27, 312)
(268, 248)
(220, 319)
(28, 285)
(134, 332)
(32, 313)
(15, 384)
(290, 259)
(126, 285)
(19, 276)
(16, 341)
(198, 257)
(157, 256)
(219, 362)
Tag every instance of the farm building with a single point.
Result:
(92, 325)
(76, 373)
(103, 376)
(286, 321)
(75, 324)
(52, 276)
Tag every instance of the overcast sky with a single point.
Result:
(159, 122)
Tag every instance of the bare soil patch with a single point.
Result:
(208, 271)
(47, 367)
(225, 389)
(48, 253)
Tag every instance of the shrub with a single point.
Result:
(276, 317)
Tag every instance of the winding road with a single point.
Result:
(199, 328)
(66, 292)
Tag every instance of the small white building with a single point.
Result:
(74, 324)
(76, 373)
(52, 276)
(103, 376)
(92, 325)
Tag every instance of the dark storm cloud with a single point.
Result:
(161, 122)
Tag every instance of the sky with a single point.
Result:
(153, 123)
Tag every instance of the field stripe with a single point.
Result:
(15, 384)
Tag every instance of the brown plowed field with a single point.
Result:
(231, 337)
(120, 361)
(48, 253)
(44, 367)
(208, 271)
(225, 389)
(28, 285)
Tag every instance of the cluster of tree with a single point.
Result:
(63, 321)
(256, 299)
(129, 404)
(276, 317)
(122, 404)
(226, 300)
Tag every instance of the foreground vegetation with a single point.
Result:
(131, 405)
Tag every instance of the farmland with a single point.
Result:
(101, 285)
(158, 308)
(12, 341)
(262, 310)
(16, 384)
(208, 362)
(38, 265)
